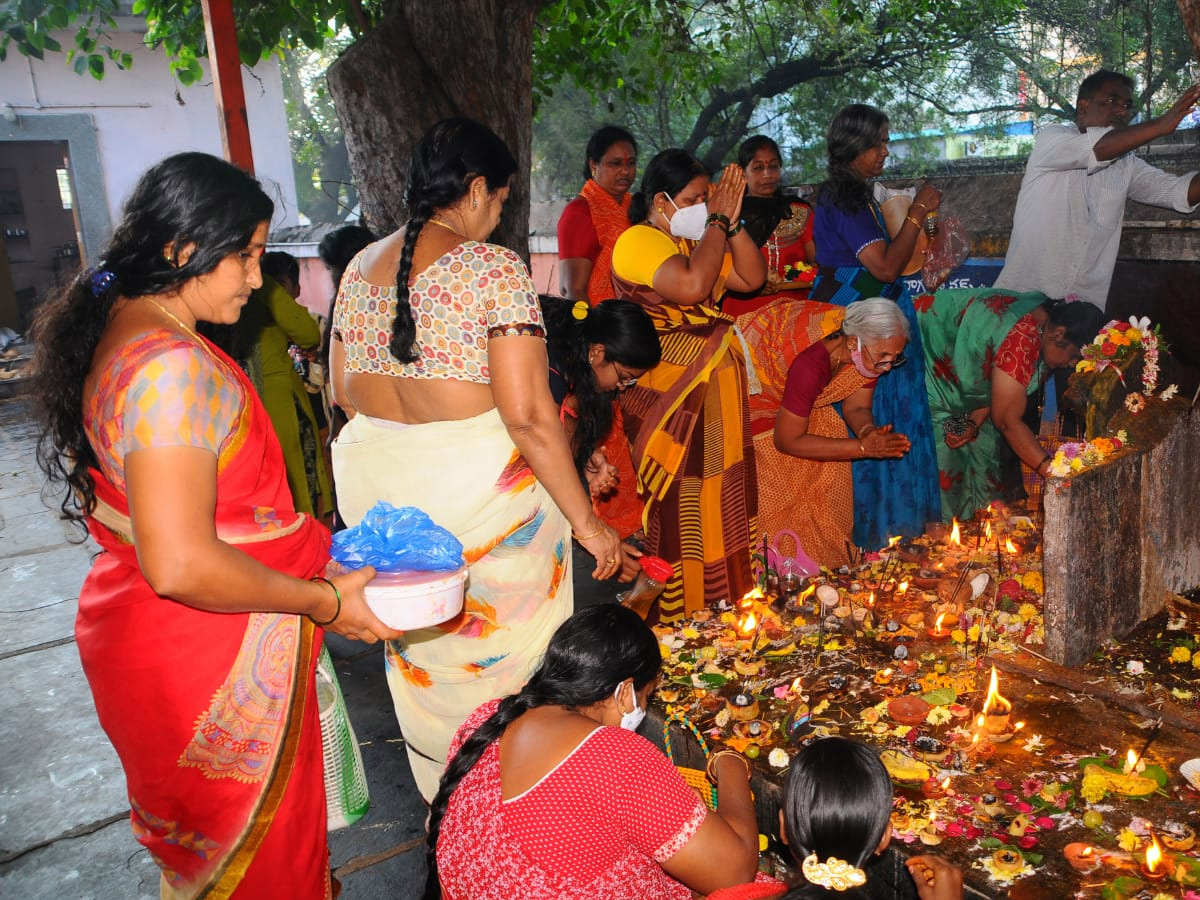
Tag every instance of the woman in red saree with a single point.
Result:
(197, 628)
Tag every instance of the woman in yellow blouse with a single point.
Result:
(688, 417)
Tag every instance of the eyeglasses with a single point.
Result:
(624, 379)
(885, 364)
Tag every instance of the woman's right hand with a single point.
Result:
(935, 878)
(356, 621)
(726, 196)
(929, 197)
(605, 546)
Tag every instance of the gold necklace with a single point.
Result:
(434, 220)
(174, 318)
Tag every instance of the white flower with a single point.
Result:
(779, 758)
(1142, 324)
(1035, 742)
(1169, 391)
(1135, 667)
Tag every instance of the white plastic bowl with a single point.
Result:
(408, 600)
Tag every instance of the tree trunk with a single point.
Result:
(1190, 10)
(471, 58)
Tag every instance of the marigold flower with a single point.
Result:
(1027, 610)
(1126, 840)
(1180, 654)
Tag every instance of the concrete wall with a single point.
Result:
(1118, 540)
(138, 117)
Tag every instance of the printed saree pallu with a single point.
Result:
(964, 330)
(214, 715)
(471, 480)
(688, 421)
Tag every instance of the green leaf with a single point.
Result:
(95, 64)
(711, 680)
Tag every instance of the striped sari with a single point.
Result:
(688, 422)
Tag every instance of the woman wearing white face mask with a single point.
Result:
(688, 418)
(524, 768)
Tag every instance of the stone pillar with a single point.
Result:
(1118, 540)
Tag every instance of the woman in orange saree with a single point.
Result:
(193, 624)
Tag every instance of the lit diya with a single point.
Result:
(1155, 866)
(996, 711)
(938, 633)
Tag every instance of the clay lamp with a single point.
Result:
(938, 633)
(996, 709)
(1082, 857)
(1007, 861)
(929, 835)
(1155, 866)
(883, 676)
(908, 709)
(933, 789)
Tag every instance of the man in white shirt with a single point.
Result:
(1067, 225)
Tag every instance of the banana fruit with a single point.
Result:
(1128, 785)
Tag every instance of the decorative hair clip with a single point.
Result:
(835, 874)
(99, 281)
(580, 310)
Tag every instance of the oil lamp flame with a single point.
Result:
(987, 529)
(749, 624)
(1131, 761)
(871, 599)
(995, 704)
(903, 587)
(750, 596)
(955, 534)
(806, 593)
(1010, 547)
(1086, 852)
(1154, 855)
(946, 783)
(795, 688)
(937, 626)
(893, 541)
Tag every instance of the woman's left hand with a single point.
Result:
(883, 443)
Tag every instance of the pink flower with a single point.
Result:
(1044, 822)
(1031, 786)
(1028, 842)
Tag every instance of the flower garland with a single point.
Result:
(1117, 340)
(1075, 456)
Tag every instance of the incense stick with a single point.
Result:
(1146, 746)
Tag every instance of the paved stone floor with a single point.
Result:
(64, 814)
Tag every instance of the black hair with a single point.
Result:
(854, 130)
(752, 145)
(1090, 86)
(451, 155)
(837, 801)
(188, 200)
(1082, 320)
(587, 658)
(626, 333)
(603, 138)
(279, 265)
(669, 173)
(336, 250)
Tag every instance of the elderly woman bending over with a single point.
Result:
(804, 477)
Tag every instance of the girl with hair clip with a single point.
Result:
(550, 795)
(595, 354)
(201, 619)
(439, 357)
(837, 806)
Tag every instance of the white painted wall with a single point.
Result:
(143, 114)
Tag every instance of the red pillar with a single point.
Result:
(226, 66)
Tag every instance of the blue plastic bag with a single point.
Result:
(394, 540)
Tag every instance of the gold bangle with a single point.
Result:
(587, 537)
(862, 448)
(711, 774)
(911, 219)
(922, 205)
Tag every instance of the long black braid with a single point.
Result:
(855, 129)
(588, 657)
(444, 164)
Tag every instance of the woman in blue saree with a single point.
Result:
(857, 259)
